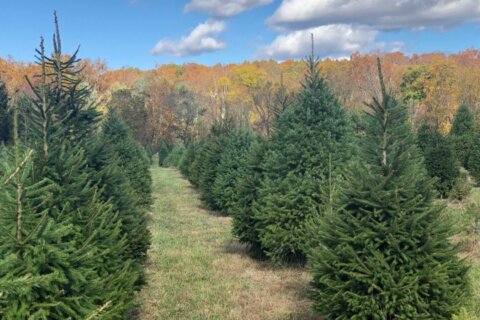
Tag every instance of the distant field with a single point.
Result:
(196, 269)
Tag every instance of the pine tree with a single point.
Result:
(440, 159)
(462, 134)
(249, 176)
(386, 252)
(295, 168)
(211, 153)
(473, 163)
(174, 157)
(187, 159)
(5, 116)
(236, 147)
(163, 152)
(68, 248)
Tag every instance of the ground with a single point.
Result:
(196, 270)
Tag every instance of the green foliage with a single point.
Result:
(295, 167)
(462, 186)
(412, 87)
(236, 148)
(6, 122)
(385, 253)
(463, 315)
(462, 134)
(174, 157)
(249, 176)
(187, 159)
(473, 163)
(440, 159)
(163, 152)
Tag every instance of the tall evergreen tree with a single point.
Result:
(68, 248)
(462, 133)
(305, 137)
(473, 162)
(386, 253)
(163, 152)
(440, 159)
(5, 116)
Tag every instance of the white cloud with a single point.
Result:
(224, 8)
(202, 39)
(379, 14)
(335, 40)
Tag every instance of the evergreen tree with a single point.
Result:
(174, 157)
(66, 244)
(236, 147)
(386, 253)
(187, 160)
(462, 134)
(163, 152)
(5, 116)
(295, 168)
(249, 176)
(473, 163)
(209, 160)
(440, 159)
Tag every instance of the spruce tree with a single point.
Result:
(440, 159)
(295, 167)
(236, 147)
(462, 133)
(5, 116)
(174, 157)
(187, 159)
(386, 252)
(249, 177)
(66, 233)
(163, 152)
(473, 163)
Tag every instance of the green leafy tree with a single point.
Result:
(386, 252)
(440, 159)
(306, 136)
(462, 134)
(163, 152)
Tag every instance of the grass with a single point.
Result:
(196, 270)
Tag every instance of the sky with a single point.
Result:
(144, 33)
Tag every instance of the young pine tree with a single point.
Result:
(163, 152)
(236, 147)
(473, 162)
(5, 116)
(440, 159)
(306, 136)
(386, 253)
(462, 134)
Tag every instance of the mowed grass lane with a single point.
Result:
(196, 270)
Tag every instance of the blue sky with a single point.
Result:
(143, 33)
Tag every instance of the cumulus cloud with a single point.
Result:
(335, 40)
(202, 39)
(379, 14)
(224, 8)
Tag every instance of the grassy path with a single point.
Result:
(196, 270)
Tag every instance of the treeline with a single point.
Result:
(174, 99)
(74, 191)
(351, 195)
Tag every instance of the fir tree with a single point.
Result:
(174, 157)
(249, 176)
(187, 160)
(68, 233)
(440, 159)
(462, 134)
(163, 152)
(236, 147)
(386, 253)
(473, 163)
(5, 116)
(305, 137)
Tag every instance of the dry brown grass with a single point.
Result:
(196, 270)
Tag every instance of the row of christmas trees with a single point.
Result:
(353, 200)
(73, 201)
